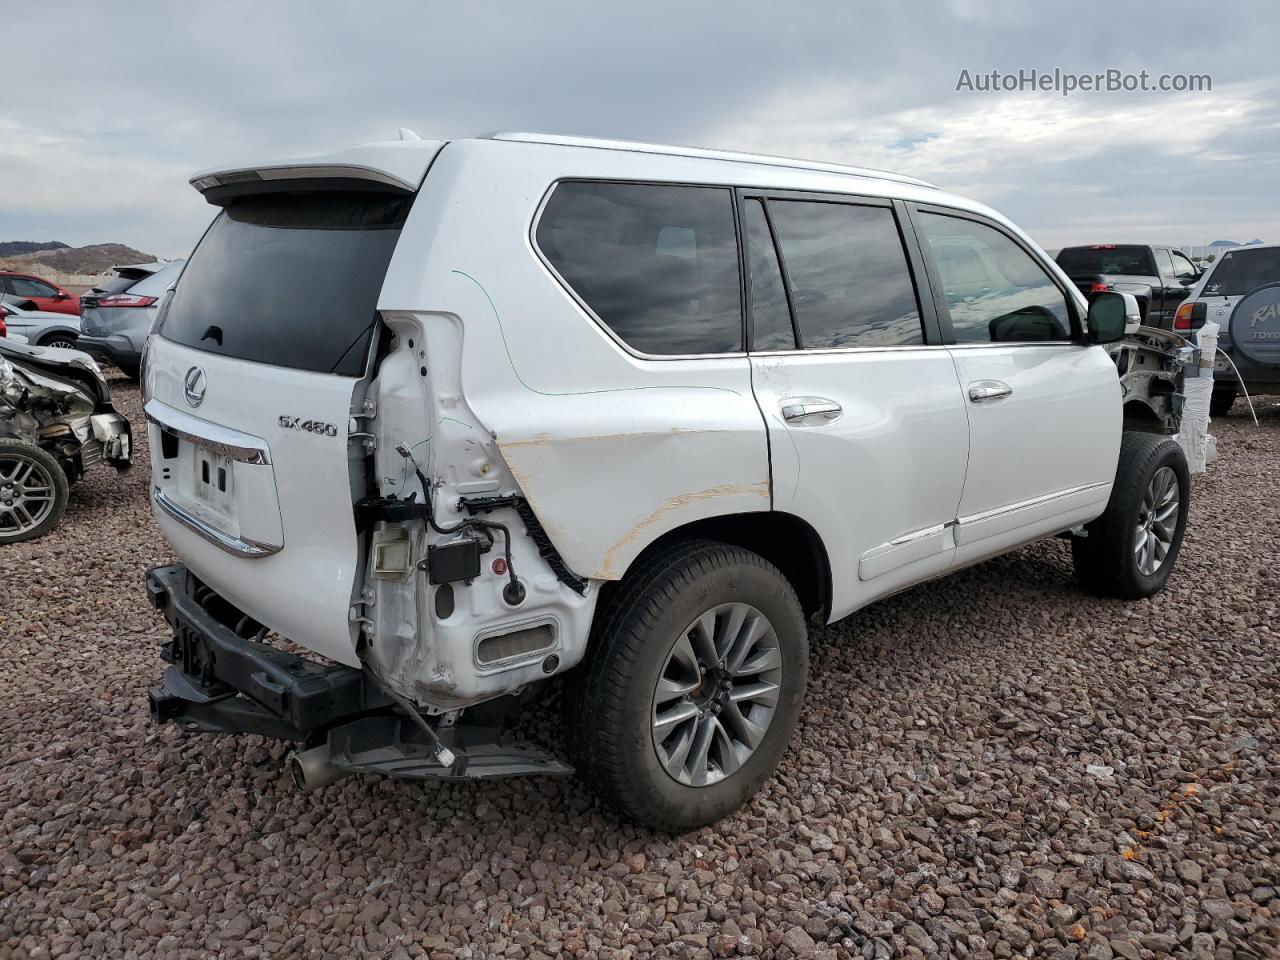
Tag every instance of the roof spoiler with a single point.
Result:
(222, 188)
(393, 165)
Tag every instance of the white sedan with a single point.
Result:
(40, 327)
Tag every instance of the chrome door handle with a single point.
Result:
(813, 410)
(980, 391)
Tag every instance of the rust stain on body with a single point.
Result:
(679, 502)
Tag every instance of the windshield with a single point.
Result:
(1241, 272)
(1125, 261)
(290, 280)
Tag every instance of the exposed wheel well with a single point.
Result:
(1141, 418)
(786, 541)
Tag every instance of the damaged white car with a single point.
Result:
(463, 417)
(56, 422)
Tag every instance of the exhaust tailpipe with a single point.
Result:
(311, 769)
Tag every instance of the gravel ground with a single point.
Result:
(991, 765)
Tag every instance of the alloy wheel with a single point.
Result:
(716, 694)
(1157, 521)
(26, 493)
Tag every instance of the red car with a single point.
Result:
(46, 295)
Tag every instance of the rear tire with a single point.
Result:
(692, 686)
(1222, 400)
(63, 341)
(1130, 550)
(33, 491)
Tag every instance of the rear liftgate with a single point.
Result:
(224, 679)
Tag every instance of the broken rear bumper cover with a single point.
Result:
(223, 678)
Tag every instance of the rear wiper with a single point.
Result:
(214, 333)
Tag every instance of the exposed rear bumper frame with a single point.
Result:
(224, 679)
(218, 657)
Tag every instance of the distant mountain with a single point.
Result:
(15, 248)
(1224, 243)
(1252, 242)
(94, 259)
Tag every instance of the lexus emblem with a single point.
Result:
(193, 386)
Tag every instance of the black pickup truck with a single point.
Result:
(1159, 277)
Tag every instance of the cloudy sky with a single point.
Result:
(108, 109)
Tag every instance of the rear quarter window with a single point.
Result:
(657, 264)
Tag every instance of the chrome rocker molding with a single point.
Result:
(236, 546)
(1033, 502)
(931, 540)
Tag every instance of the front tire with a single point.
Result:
(33, 491)
(1130, 550)
(692, 686)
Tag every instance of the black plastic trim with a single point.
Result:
(218, 662)
(546, 549)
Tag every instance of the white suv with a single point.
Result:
(461, 417)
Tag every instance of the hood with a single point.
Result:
(71, 366)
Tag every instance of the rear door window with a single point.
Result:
(770, 315)
(657, 264)
(848, 274)
(290, 280)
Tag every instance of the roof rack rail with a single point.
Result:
(634, 146)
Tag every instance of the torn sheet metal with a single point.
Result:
(59, 401)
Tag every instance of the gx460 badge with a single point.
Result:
(309, 426)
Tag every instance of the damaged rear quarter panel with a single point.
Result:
(611, 450)
(614, 474)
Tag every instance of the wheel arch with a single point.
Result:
(788, 542)
(55, 333)
(1140, 417)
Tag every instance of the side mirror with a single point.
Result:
(1110, 314)
(1188, 281)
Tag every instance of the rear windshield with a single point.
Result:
(290, 280)
(1241, 272)
(1125, 261)
(154, 284)
(115, 285)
